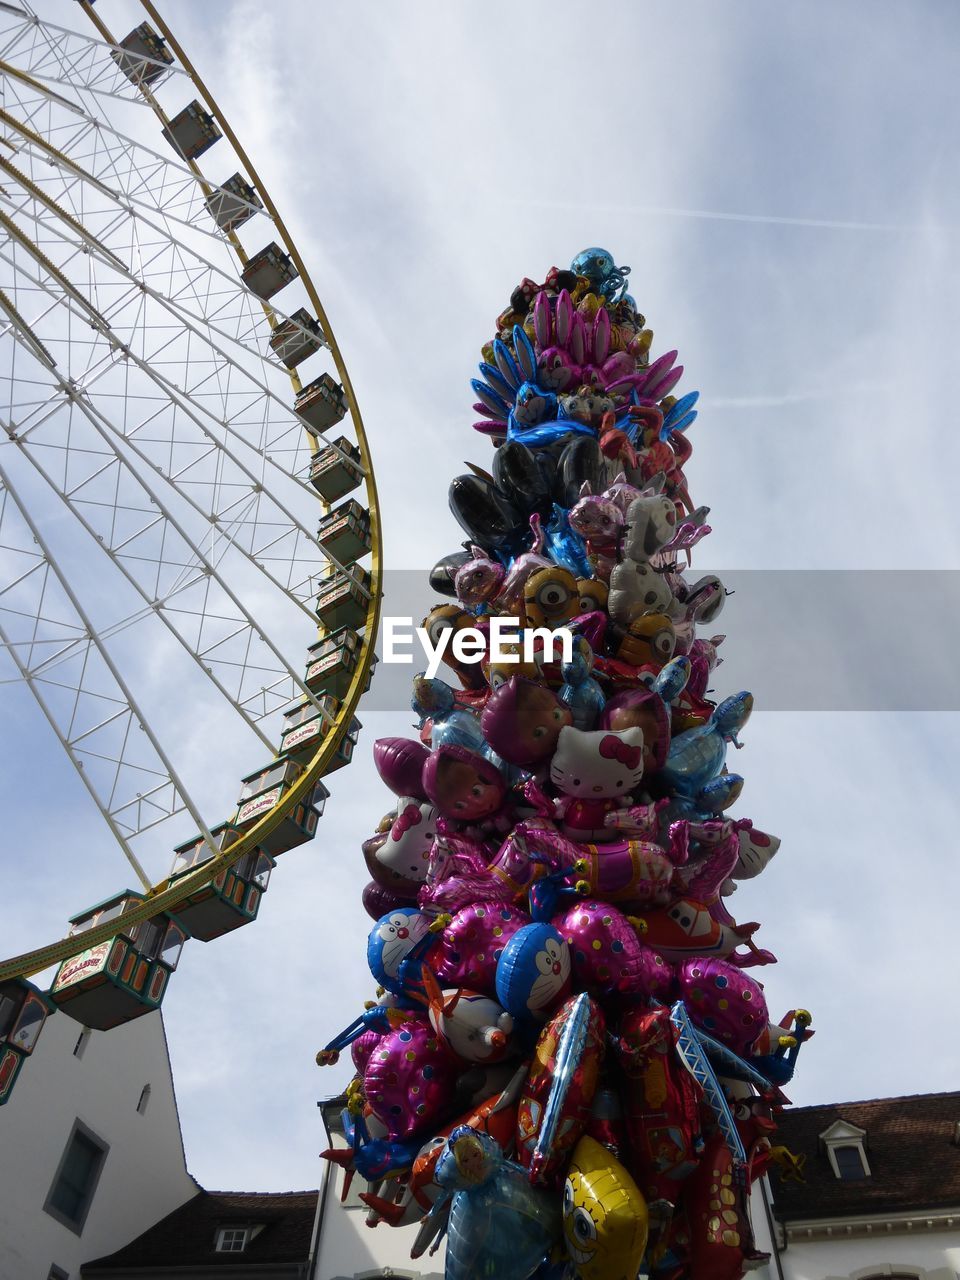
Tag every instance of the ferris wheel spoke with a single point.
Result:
(306, 561)
(55, 53)
(82, 693)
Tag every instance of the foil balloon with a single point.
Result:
(723, 1001)
(470, 1024)
(533, 973)
(697, 756)
(661, 1103)
(722, 1244)
(397, 937)
(378, 901)
(522, 721)
(608, 959)
(400, 762)
(555, 1104)
(473, 942)
(406, 849)
(409, 1080)
(604, 1215)
(499, 1224)
(463, 784)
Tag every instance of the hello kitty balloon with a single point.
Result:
(596, 772)
(406, 849)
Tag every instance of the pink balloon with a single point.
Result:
(723, 1001)
(608, 957)
(362, 1048)
(472, 943)
(409, 1080)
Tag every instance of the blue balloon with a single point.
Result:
(533, 972)
(564, 546)
(581, 693)
(696, 756)
(499, 1224)
(399, 936)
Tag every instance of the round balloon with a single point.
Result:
(723, 1001)
(473, 942)
(409, 1080)
(608, 958)
(533, 973)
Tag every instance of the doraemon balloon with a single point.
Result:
(533, 973)
(392, 940)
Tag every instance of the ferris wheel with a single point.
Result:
(176, 421)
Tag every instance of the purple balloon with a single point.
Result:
(400, 764)
(409, 1081)
(472, 943)
(608, 957)
(723, 1001)
(378, 900)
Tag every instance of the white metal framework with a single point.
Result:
(157, 524)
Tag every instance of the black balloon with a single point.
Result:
(581, 460)
(443, 572)
(522, 477)
(484, 513)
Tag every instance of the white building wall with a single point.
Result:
(895, 1250)
(144, 1176)
(347, 1248)
(929, 1255)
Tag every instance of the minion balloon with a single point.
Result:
(604, 1215)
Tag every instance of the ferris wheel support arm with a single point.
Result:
(91, 636)
(153, 605)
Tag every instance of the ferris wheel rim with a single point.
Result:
(165, 895)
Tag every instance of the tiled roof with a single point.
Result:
(910, 1147)
(187, 1236)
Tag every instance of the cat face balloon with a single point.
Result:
(392, 939)
(597, 765)
(406, 849)
(533, 973)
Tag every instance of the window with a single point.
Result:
(76, 1178)
(57, 1273)
(232, 1239)
(849, 1163)
(845, 1147)
(144, 1100)
(80, 1048)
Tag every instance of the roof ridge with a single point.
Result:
(865, 1102)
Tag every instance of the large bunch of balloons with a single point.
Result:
(570, 1066)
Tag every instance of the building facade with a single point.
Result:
(869, 1190)
(91, 1147)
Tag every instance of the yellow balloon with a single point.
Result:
(604, 1215)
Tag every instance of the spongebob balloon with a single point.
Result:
(604, 1215)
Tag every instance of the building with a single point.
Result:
(92, 1152)
(347, 1247)
(874, 1192)
(226, 1234)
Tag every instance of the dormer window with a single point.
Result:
(849, 1163)
(844, 1145)
(232, 1239)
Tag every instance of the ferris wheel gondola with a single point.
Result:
(177, 421)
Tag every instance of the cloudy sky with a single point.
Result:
(783, 184)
